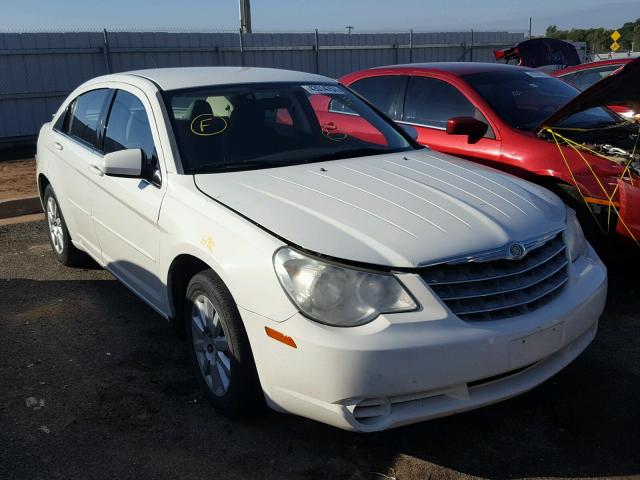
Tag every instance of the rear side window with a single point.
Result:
(432, 103)
(586, 78)
(86, 115)
(386, 93)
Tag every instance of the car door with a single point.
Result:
(125, 210)
(385, 92)
(75, 138)
(336, 119)
(429, 103)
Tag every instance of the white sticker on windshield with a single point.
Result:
(323, 89)
(536, 74)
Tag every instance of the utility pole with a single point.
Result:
(245, 16)
(349, 27)
(530, 22)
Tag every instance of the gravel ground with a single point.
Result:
(93, 384)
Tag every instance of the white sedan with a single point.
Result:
(315, 256)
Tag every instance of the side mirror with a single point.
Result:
(410, 130)
(123, 163)
(472, 127)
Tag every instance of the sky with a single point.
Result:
(305, 15)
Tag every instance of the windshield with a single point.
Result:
(243, 127)
(525, 98)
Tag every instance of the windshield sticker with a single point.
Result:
(208, 124)
(536, 74)
(323, 89)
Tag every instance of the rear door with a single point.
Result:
(386, 92)
(125, 210)
(430, 103)
(76, 136)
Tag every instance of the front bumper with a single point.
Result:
(628, 224)
(405, 368)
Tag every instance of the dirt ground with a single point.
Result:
(95, 385)
(18, 179)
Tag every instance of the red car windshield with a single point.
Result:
(525, 98)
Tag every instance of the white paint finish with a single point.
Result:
(70, 169)
(241, 252)
(389, 358)
(123, 162)
(181, 77)
(397, 210)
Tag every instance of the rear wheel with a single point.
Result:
(63, 249)
(219, 347)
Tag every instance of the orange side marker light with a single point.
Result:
(281, 337)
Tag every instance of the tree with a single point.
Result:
(599, 39)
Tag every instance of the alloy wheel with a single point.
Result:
(210, 345)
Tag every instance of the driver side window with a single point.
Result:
(431, 103)
(128, 127)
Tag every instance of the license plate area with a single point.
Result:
(536, 346)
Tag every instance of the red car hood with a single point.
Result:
(619, 88)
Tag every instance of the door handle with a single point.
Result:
(57, 145)
(96, 170)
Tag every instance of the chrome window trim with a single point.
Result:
(415, 124)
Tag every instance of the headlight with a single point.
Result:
(337, 295)
(574, 237)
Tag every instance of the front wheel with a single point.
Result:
(219, 347)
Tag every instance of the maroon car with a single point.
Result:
(586, 75)
(525, 122)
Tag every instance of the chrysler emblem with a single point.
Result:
(516, 250)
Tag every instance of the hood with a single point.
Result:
(619, 88)
(540, 52)
(402, 210)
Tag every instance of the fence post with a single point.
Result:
(317, 49)
(219, 51)
(241, 48)
(471, 47)
(411, 46)
(105, 50)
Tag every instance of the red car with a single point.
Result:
(525, 122)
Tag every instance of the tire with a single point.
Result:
(219, 348)
(572, 198)
(63, 249)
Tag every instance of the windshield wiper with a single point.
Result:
(353, 153)
(237, 167)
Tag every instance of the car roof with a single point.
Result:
(600, 63)
(187, 77)
(454, 68)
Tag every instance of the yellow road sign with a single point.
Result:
(615, 36)
(615, 46)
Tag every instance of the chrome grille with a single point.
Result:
(501, 288)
